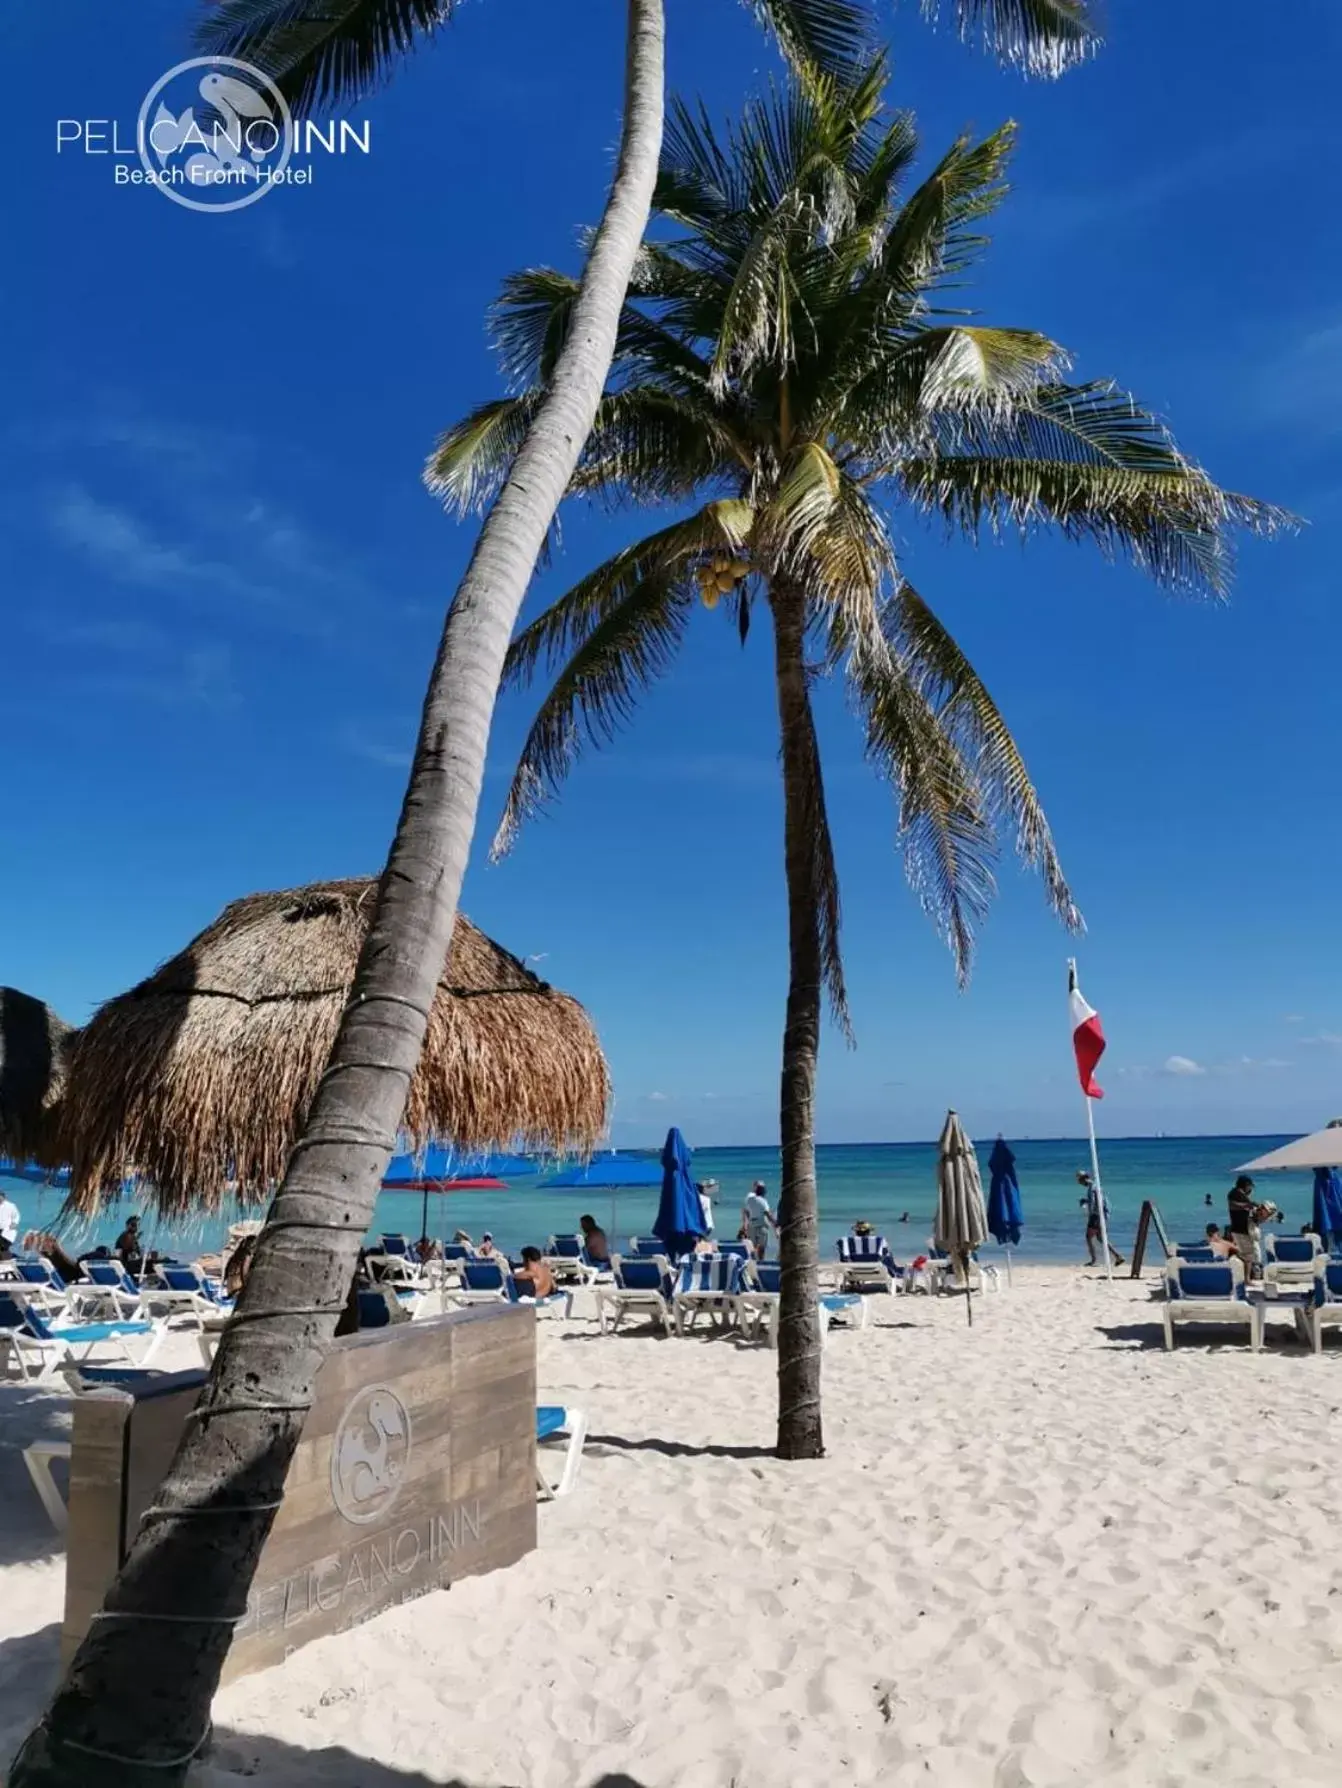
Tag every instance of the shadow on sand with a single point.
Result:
(263, 1760)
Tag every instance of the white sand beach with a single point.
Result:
(1040, 1552)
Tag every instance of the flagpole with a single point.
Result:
(1096, 1181)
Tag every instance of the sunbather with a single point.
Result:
(594, 1240)
(534, 1278)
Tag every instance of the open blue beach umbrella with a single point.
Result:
(1328, 1204)
(1005, 1215)
(680, 1216)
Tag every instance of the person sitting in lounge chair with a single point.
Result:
(487, 1250)
(594, 1240)
(1219, 1244)
(534, 1278)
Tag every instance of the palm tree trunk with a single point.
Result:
(134, 1706)
(799, 1430)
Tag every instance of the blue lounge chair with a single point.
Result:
(636, 1286)
(107, 1285)
(41, 1349)
(866, 1264)
(761, 1295)
(567, 1259)
(710, 1282)
(1202, 1293)
(185, 1290)
(1290, 1260)
(554, 1422)
(42, 1283)
(1325, 1310)
(486, 1282)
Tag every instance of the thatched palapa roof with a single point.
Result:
(197, 1080)
(34, 1056)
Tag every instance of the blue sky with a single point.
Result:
(224, 583)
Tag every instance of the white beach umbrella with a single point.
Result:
(1322, 1149)
(962, 1222)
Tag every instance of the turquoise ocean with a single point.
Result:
(878, 1182)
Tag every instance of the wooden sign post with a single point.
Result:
(417, 1466)
(1149, 1219)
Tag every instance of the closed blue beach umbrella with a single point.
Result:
(1328, 1205)
(680, 1216)
(1005, 1214)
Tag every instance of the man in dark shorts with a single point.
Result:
(1094, 1230)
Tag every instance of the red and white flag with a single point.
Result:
(1087, 1038)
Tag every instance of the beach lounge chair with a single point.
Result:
(39, 1282)
(569, 1425)
(39, 1456)
(184, 1290)
(486, 1282)
(759, 1300)
(1196, 1253)
(647, 1247)
(107, 1285)
(41, 1349)
(950, 1279)
(636, 1286)
(567, 1259)
(1290, 1260)
(866, 1264)
(1197, 1292)
(1325, 1311)
(707, 1282)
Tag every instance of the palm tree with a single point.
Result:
(785, 370)
(136, 1696)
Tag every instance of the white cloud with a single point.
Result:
(1323, 1040)
(657, 1098)
(1294, 1018)
(1183, 1065)
(374, 750)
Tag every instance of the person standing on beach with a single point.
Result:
(9, 1225)
(757, 1220)
(1242, 1225)
(706, 1189)
(1094, 1229)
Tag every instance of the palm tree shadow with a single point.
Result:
(260, 1760)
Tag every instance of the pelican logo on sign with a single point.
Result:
(214, 134)
(370, 1454)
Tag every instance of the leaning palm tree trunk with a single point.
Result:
(134, 1706)
(799, 1429)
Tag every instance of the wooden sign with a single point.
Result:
(417, 1466)
(1150, 1219)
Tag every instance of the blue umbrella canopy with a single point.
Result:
(1327, 1201)
(438, 1167)
(606, 1173)
(680, 1216)
(1005, 1215)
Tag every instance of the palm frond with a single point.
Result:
(946, 838)
(320, 52)
(651, 445)
(631, 645)
(1042, 37)
(833, 36)
(968, 713)
(565, 626)
(1176, 525)
(471, 461)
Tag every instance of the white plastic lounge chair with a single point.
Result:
(107, 1286)
(1197, 1292)
(567, 1259)
(184, 1291)
(707, 1282)
(488, 1282)
(950, 1279)
(866, 1264)
(1326, 1309)
(41, 1350)
(556, 1423)
(39, 1282)
(38, 1457)
(759, 1301)
(636, 1287)
(1291, 1260)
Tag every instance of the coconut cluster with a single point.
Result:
(718, 577)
